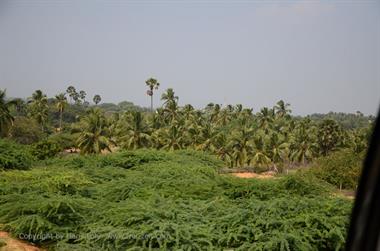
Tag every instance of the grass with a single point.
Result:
(145, 200)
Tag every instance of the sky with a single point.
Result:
(319, 56)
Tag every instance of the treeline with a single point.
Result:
(269, 139)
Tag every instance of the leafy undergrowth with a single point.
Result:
(146, 200)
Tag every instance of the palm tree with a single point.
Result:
(265, 118)
(39, 107)
(6, 119)
(71, 92)
(97, 99)
(242, 145)
(61, 103)
(303, 145)
(152, 85)
(170, 105)
(172, 138)
(94, 135)
(282, 109)
(82, 96)
(134, 132)
(169, 97)
(259, 157)
(329, 135)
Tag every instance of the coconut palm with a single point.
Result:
(39, 107)
(282, 109)
(173, 137)
(94, 136)
(242, 145)
(61, 103)
(329, 135)
(303, 145)
(259, 157)
(152, 84)
(134, 133)
(170, 107)
(6, 119)
(265, 118)
(169, 97)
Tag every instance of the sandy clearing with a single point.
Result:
(16, 245)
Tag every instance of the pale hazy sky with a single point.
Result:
(319, 56)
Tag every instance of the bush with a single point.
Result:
(47, 148)
(64, 140)
(153, 200)
(341, 169)
(14, 156)
(26, 131)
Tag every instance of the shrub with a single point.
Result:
(64, 140)
(47, 148)
(26, 131)
(14, 156)
(341, 169)
(168, 201)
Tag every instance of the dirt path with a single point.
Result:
(14, 244)
(249, 175)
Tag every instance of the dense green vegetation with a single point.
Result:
(270, 139)
(172, 201)
(160, 188)
(342, 169)
(14, 156)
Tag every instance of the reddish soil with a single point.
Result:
(16, 245)
(248, 175)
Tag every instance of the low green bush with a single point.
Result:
(14, 156)
(47, 148)
(167, 201)
(341, 169)
(64, 140)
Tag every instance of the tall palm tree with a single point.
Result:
(173, 138)
(97, 99)
(265, 118)
(329, 135)
(82, 96)
(6, 119)
(61, 103)
(303, 145)
(282, 109)
(170, 105)
(134, 133)
(94, 136)
(259, 157)
(71, 92)
(242, 145)
(152, 84)
(169, 97)
(39, 107)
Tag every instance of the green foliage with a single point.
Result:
(64, 140)
(47, 148)
(14, 156)
(305, 183)
(154, 200)
(341, 169)
(26, 131)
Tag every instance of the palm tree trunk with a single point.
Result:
(151, 103)
(60, 121)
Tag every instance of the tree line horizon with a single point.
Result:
(270, 138)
